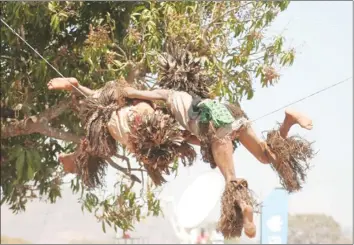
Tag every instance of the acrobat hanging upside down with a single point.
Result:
(119, 112)
(217, 125)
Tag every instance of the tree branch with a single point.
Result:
(219, 18)
(59, 134)
(124, 158)
(123, 170)
(40, 124)
(136, 70)
(54, 112)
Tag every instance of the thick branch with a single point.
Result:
(39, 124)
(54, 112)
(58, 134)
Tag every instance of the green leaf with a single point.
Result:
(283, 5)
(30, 172)
(103, 226)
(269, 16)
(238, 30)
(259, 23)
(51, 7)
(29, 165)
(15, 153)
(20, 165)
(250, 94)
(259, 70)
(36, 160)
(62, 14)
(138, 9)
(138, 215)
(278, 44)
(175, 165)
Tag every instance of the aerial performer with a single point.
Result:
(184, 89)
(108, 118)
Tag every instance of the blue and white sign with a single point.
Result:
(274, 218)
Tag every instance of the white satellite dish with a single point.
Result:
(199, 199)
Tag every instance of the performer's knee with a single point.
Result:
(264, 157)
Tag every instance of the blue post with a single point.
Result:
(274, 218)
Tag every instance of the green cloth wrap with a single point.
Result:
(215, 111)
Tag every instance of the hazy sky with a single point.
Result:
(322, 34)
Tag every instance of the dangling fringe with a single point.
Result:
(156, 141)
(289, 158)
(91, 169)
(155, 175)
(98, 144)
(231, 220)
(180, 71)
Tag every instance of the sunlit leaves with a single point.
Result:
(20, 164)
(287, 58)
(121, 210)
(99, 41)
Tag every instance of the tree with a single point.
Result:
(100, 41)
(11, 240)
(315, 229)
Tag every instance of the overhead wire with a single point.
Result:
(301, 99)
(29, 45)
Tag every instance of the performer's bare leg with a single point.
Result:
(68, 84)
(62, 83)
(223, 156)
(222, 153)
(294, 117)
(248, 225)
(256, 147)
(68, 161)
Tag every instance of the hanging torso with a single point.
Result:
(184, 108)
(118, 125)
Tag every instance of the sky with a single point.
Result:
(322, 33)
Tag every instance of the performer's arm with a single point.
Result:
(157, 94)
(190, 138)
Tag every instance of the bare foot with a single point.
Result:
(298, 118)
(68, 161)
(62, 83)
(248, 225)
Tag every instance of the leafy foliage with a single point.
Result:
(99, 41)
(12, 240)
(315, 229)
